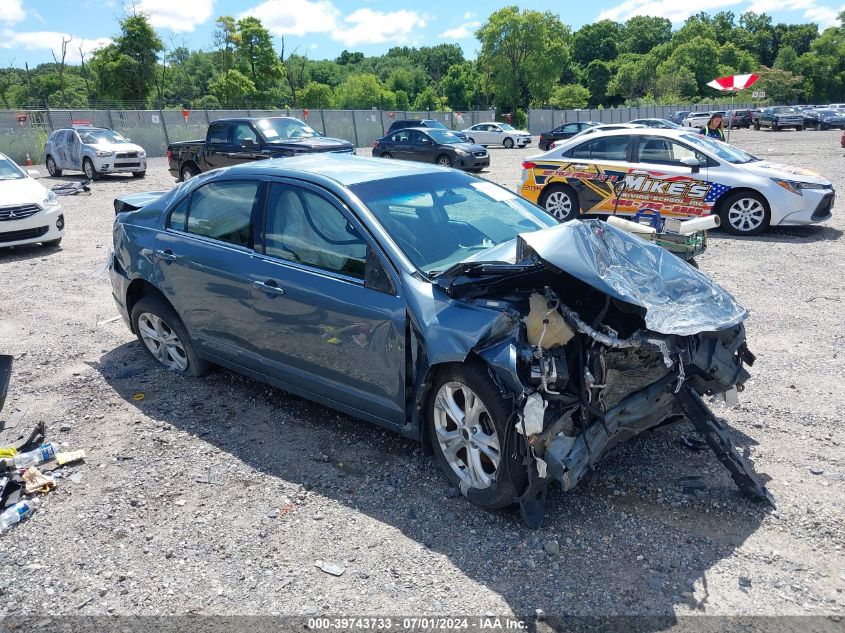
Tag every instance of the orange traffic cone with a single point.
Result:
(28, 161)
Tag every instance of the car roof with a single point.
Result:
(345, 169)
(83, 128)
(251, 118)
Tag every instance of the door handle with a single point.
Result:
(168, 255)
(269, 286)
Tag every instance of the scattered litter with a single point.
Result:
(107, 321)
(816, 471)
(693, 443)
(17, 513)
(71, 188)
(68, 457)
(206, 479)
(691, 483)
(139, 395)
(36, 481)
(14, 419)
(64, 428)
(43, 453)
(331, 568)
(76, 478)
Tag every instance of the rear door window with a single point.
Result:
(223, 211)
(218, 133)
(604, 148)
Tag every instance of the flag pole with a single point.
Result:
(730, 121)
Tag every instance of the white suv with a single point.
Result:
(94, 151)
(29, 213)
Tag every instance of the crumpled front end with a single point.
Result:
(596, 356)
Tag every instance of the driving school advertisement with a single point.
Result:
(672, 195)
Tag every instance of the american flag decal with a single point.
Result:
(715, 191)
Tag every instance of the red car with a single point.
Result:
(842, 140)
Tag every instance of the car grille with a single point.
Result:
(26, 234)
(18, 212)
(127, 155)
(129, 164)
(480, 154)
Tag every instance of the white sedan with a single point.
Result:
(679, 173)
(497, 134)
(29, 212)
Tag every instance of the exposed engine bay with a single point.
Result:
(593, 355)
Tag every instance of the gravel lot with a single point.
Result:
(293, 483)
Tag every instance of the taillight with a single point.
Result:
(528, 165)
(375, 143)
(168, 153)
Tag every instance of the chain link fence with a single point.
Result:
(24, 132)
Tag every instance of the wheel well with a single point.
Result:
(188, 163)
(140, 288)
(720, 201)
(560, 185)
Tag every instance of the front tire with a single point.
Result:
(54, 171)
(800, 128)
(560, 202)
(508, 143)
(469, 426)
(775, 127)
(386, 155)
(757, 125)
(51, 243)
(444, 160)
(471, 140)
(88, 169)
(139, 174)
(745, 213)
(165, 337)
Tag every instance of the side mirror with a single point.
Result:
(692, 163)
(33, 173)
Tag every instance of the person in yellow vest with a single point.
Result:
(713, 129)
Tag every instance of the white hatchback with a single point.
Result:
(29, 212)
(495, 133)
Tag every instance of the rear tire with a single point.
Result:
(757, 125)
(139, 174)
(508, 143)
(189, 171)
(386, 155)
(800, 128)
(165, 338)
(54, 171)
(560, 202)
(471, 442)
(775, 127)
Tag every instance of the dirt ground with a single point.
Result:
(220, 495)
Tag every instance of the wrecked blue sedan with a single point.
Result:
(439, 305)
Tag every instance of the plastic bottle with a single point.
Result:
(17, 513)
(43, 453)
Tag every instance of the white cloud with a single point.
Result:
(51, 41)
(12, 11)
(364, 26)
(177, 15)
(823, 15)
(296, 17)
(462, 32)
(377, 27)
(469, 15)
(675, 11)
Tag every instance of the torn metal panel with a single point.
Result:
(673, 297)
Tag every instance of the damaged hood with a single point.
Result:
(672, 296)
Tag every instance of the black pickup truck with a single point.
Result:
(235, 141)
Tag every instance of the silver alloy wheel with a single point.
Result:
(88, 168)
(746, 214)
(466, 435)
(559, 205)
(445, 161)
(162, 341)
(51, 166)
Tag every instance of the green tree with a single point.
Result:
(361, 92)
(460, 86)
(597, 78)
(254, 50)
(634, 78)
(570, 97)
(436, 60)
(701, 56)
(428, 100)
(787, 59)
(126, 68)
(781, 86)
(316, 95)
(643, 32)
(525, 52)
(232, 87)
(597, 40)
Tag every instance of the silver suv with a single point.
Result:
(94, 151)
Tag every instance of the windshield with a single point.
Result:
(444, 218)
(724, 151)
(281, 129)
(8, 170)
(825, 112)
(435, 124)
(95, 137)
(506, 127)
(442, 136)
(785, 110)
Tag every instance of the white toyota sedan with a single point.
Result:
(495, 133)
(29, 212)
(679, 173)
